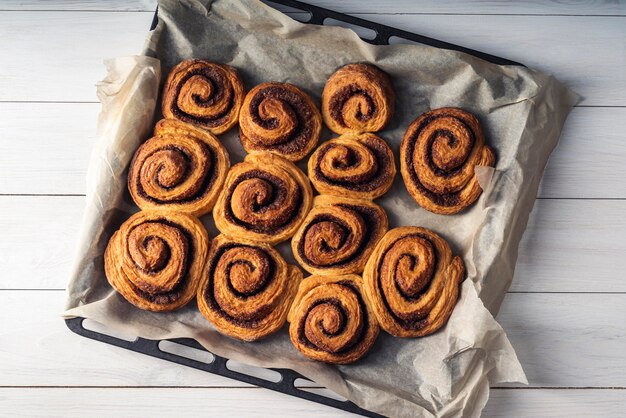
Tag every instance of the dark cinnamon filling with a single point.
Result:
(341, 96)
(447, 199)
(223, 91)
(337, 303)
(175, 294)
(282, 219)
(372, 222)
(302, 110)
(368, 181)
(417, 320)
(209, 297)
(207, 183)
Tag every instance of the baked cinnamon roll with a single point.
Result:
(265, 199)
(358, 98)
(354, 165)
(331, 321)
(182, 168)
(412, 280)
(248, 288)
(156, 259)
(279, 118)
(205, 94)
(438, 155)
(338, 235)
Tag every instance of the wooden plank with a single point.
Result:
(38, 240)
(556, 403)
(568, 340)
(45, 148)
(589, 160)
(569, 246)
(256, 402)
(562, 340)
(573, 246)
(488, 7)
(160, 402)
(81, 5)
(69, 52)
(537, 7)
(57, 56)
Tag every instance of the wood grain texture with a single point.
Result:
(45, 147)
(488, 7)
(67, 68)
(252, 402)
(38, 240)
(161, 402)
(39, 156)
(573, 246)
(64, 61)
(569, 246)
(586, 8)
(80, 5)
(555, 403)
(552, 334)
(568, 340)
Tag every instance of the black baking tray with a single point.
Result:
(286, 384)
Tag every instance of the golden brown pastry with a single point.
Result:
(279, 118)
(358, 97)
(412, 280)
(438, 154)
(338, 235)
(353, 165)
(265, 199)
(205, 94)
(156, 259)
(181, 168)
(248, 288)
(330, 319)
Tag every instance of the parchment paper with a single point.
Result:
(522, 111)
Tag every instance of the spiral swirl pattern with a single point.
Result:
(265, 199)
(355, 165)
(338, 235)
(438, 155)
(248, 289)
(181, 168)
(279, 118)
(156, 259)
(330, 319)
(358, 98)
(413, 281)
(205, 94)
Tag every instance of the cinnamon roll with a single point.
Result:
(358, 97)
(354, 165)
(205, 94)
(438, 155)
(248, 288)
(156, 259)
(181, 168)
(279, 118)
(412, 280)
(338, 235)
(331, 321)
(265, 199)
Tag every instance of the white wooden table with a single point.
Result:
(566, 310)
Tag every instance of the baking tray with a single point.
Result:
(288, 377)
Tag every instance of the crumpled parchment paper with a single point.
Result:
(522, 112)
